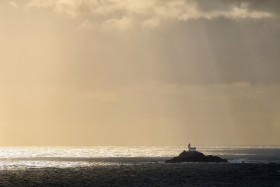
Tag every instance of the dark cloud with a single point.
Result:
(272, 6)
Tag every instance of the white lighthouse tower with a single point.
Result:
(191, 149)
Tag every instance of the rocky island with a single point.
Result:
(194, 156)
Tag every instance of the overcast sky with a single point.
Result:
(131, 72)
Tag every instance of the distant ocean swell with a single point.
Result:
(65, 157)
(136, 166)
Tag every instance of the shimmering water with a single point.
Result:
(12, 158)
(136, 166)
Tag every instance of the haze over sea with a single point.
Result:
(134, 166)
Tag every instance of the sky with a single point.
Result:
(133, 73)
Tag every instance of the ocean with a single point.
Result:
(137, 166)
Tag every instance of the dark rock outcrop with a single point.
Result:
(195, 156)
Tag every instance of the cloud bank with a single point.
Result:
(124, 14)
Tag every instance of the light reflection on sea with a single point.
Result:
(125, 151)
(12, 158)
(89, 152)
(27, 164)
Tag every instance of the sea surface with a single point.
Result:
(137, 166)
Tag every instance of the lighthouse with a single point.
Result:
(191, 149)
